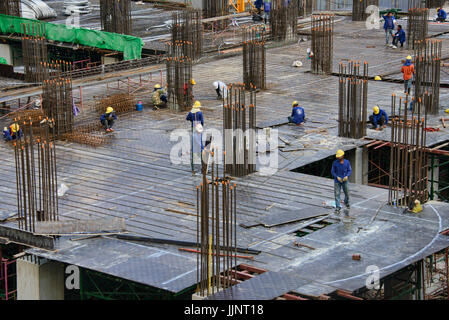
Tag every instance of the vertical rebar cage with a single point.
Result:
(254, 58)
(116, 16)
(36, 177)
(417, 27)
(359, 9)
(217, 8)
(10, 7)
(187, 27)
(322, 43)
(353, 99)
(179, 86)
(284, 20)
(34, 51)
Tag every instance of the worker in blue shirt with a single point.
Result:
(267, 9)
(399, 36)
(379, 118)
(341, 171)
(107, 119)
(389, 26)
(196, 118)
(14, 132)
(442, 15)
(298, 114)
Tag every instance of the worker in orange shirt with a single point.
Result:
(408, 69)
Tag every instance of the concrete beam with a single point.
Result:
(26, 238)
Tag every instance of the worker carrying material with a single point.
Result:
(442, 15)
(159, 97)
(379, 118)
(341, 171)
(408, 69)
(221, 89)
(196, 118)
(298, 114)
(13, 132)
(107, 119)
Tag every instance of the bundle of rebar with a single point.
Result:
(216, 230)
(116, 16)
(322, 43)
(36, 177)
(427, 72)
(417, 27)
(179, 86)
(352, 99)
(10, 7)
(216, 8)
(187, 27)
(254, 58)
(239, 130)
(34, 51)
(408, 159)
(284, 20)
(359, 9)
(121, 103)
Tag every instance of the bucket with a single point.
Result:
(139, 106)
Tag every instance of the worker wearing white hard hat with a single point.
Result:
(221, 89)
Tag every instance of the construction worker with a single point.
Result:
(399, 36)
(258, 4)
(196, 118)
(415, 207)
(341, 171)
(442, 15)
(379, 118)
(13, 132)
(267, 9)
(389, 26)
(159, 97)
(408, 70)
(298, 114)
(107, 119)
(221, 89)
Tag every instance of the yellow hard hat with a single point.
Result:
(377, 78)
(417, 202)
(376, 110)
(447, 110)
(409, 57)
(14, 127)
(109, 110)
(192, 81)
(340, 153)
(295, 103)
(158, 86)
(197, 104)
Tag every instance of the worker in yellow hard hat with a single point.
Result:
(415, 206)
(379, 118)
(107, 119)
(298, 114)
(442, 15)
(196, 118)
(341, 171)
(13, 132)
(408, 70)
(188, 89)
(159, 97)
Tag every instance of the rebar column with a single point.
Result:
(10, 7)
(179, 86)
(322, 43)
(116, 16)
(216, 8)
(359, 9)
(254, 58)
(417, 27)
(34, 51)
(284, 20)
(187, 27)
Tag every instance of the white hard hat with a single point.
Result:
(199, 128)
(215, 84)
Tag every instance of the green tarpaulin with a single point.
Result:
(3, 61)
(129, 45)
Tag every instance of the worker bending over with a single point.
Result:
(442, 15)
(14, 132)
(341, 171)
(415, 206)
(107, 119)
(298, 115)
(399, 36)
(379, 118)
(221, 89)
(408, 70)
(196, 118)
(159, 97)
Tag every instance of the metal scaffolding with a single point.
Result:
(359, 9)
(36, 178)
(116, 16)
(10, 7)
(408, 159)
(352, 99)
(254, 58)
(284, 20)
(322, 43)
(427, 72)
(187, 27)
(239, 130)
(34, 51)
(417, 27)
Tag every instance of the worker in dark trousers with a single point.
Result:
(442, 15)
(379, 118)
(13, 132)
(107, 119)
(341, 171)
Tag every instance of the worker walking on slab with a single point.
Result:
(408, 70)
(389, 26)
(221, 89)
(442, 15)
(298, 114)
(341, 171)
(107, 119)
(159, 97)
(13, 132)
(379, 118)
(196, 118)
